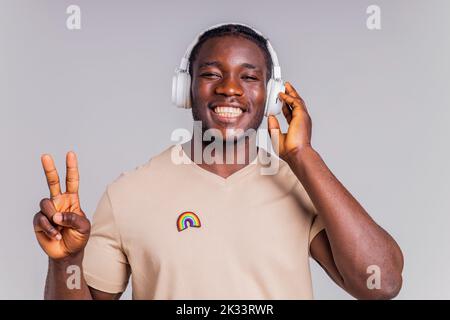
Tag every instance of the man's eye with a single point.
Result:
(250, 78)
(209, 75)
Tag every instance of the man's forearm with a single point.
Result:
(357, 242)
(65, 280)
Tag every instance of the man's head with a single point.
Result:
(230, 67)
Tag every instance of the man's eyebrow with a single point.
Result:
(210, 63)
(249, 66)
(218, 64)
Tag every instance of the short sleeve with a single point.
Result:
(316, 226)
(105, 266)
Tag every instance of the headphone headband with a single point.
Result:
(276, 74)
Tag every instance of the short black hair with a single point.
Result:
(233, 30)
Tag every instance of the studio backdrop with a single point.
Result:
(377, 92)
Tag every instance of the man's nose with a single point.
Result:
(229, 87)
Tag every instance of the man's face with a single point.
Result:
(229, 85)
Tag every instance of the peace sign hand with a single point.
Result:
(61, 227)
(298, 135)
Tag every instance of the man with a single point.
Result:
(214, 229)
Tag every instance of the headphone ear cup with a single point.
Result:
(181, 84)
(268, 93)
(187, 91)
(174, 89)
(273, 104)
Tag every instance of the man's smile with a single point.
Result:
(227, 112)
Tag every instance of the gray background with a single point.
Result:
(379, 101)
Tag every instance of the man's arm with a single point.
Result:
(60, 282)
(352, 241)
(62, 230)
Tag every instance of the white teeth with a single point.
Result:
(228, 111)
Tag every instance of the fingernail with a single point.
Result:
(58, 237)
(57, 217)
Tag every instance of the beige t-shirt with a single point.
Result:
(182, 232)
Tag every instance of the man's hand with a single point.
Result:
(298, 135)
(61, 227)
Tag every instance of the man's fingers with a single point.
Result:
(287, 113)
(72, 175)
(289, 89)
(290, 100)
(72, 220)
(47, 208)
(297, 104)
(51, 174)
(42, 224)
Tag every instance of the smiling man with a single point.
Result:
(219, 229)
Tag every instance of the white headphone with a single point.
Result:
(181, 82)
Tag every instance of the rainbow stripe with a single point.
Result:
(188, 219)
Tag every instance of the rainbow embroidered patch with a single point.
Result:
(187, 219)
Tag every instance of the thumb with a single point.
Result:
(275, 133)
(73, 221)
(272, 123)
